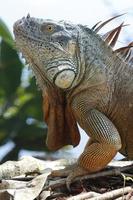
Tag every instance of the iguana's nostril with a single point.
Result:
(18, 23)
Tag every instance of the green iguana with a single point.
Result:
(85, 81)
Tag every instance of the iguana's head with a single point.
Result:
(51, 48)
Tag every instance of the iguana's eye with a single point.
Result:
(48, 28)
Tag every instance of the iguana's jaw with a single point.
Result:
(60, 71)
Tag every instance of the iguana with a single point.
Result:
(85, 81)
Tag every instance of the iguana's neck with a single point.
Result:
(100, 65)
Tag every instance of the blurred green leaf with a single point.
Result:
(10, 69)
(31, 137)
(5, 33)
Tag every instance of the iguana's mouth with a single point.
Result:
(23, 35)
(20, 31)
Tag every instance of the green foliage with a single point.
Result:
(5, 33)
(20, 106)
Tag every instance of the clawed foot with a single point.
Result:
(71, 172)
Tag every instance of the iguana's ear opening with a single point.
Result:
(62, 126)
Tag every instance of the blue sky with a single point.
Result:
(87, 12)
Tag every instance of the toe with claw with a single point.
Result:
(76, 172)
(71, 172)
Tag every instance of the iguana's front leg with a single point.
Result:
(105, 141)
(103, 146)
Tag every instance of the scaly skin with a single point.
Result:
(83, 80)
